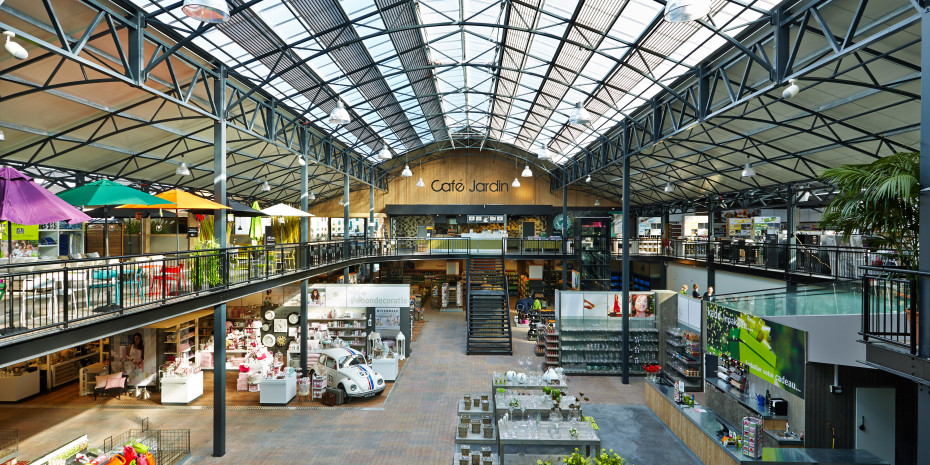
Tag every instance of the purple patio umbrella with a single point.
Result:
(25, 202)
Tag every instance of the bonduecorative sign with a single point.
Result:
(773, 352)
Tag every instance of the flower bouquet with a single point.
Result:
(651, 371)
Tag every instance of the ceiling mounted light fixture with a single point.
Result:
(312, 196)
(516, 182)
(13, 48)
(266, 187)
(748, 170)
(301, 161)
(806, 196)
(420, 182)
(208, 11)
(182, 170)
(406, 172)
(2, 136)
(526, 172)
(342, 202)
(587, 179)
(682, 11)
(579, 115)
(385, 153)
(791, 90)
(543, 153)
(597, 202)
(669, 187)
(339, 115)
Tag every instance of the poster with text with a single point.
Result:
(387, 318)
(774, 352)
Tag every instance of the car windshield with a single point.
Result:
(351, 360)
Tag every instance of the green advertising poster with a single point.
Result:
(773, 352)
(21, 232)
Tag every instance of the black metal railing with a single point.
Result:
(37, 296)
(890, 311)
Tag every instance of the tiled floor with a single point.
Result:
(415, 426)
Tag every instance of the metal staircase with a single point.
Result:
(488, 313)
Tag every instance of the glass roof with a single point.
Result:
(412, 73)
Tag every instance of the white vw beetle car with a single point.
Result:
(346, 369)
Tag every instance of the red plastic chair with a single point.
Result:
(169, 274)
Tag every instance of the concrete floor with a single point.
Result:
(415, 426)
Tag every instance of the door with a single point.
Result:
(875, 416)
(529, 229)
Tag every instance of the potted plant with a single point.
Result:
(610, 458)
(576, 459)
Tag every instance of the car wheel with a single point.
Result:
(345, 395)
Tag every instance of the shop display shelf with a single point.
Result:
(474, 411)
(684, 373)
(682, 358)
(495, 460)
(477, 438)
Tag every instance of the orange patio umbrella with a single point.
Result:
(181, 201)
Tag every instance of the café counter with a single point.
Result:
(697, 427)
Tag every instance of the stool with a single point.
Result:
(303, 390)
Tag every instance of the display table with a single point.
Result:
(585, 446)
(16, 388)
(386, 367)
(181, 390)
(278, 391)
(502, 404)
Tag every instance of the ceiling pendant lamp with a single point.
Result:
(342, 202)
(669, 187)
(587, 179)
(406, 172)
(339, 115)
(516, 182)
(682, 11)
(182, 170)
(597, 202)
(579, 115)
(266, 187)
(420, 183)
(748, 170)
(312, 196)
(208, 11)
(385, 153)
(543, 153)
(13, 48)
(2, 136)
(301, 161)
(526, 172)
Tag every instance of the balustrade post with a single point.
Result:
(122, 292)
(66, 299)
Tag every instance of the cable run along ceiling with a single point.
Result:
(412, 73)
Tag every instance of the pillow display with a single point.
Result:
(114, 383)
(101, 381)
(118, 374)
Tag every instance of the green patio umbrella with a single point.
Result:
(255, 226)
(105, 193)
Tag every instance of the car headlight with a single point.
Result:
(353, 387)
(380, 381)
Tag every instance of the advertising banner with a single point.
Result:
(387, 318)
(774, 352)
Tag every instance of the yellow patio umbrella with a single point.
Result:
(181, 201)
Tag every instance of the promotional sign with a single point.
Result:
(359, 295)
(774, 352)
(651, 226)
(21, 232)
(387, 318)
(616, 227)
(739, 227)
(485, 219)
(575, 280)
(762, 225)
(643, 304)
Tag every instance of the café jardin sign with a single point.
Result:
(475, 186)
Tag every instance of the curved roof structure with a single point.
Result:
(131, 88)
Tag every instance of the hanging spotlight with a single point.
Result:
(385, 152)
(14, 48)
(526, 172)
(597, 202)
(806, 196)
(420, 183)
(791, 90)
(2, 137)
(681, 11)
(341, 202)
(669, 187)
(587, 179)
(301, 161)
(406, 172)
(579, 115)
(208, 11)
(339, 115)
(748, 170)
(516, 182)
(266, 187)
(312, 196)
(182, 170)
